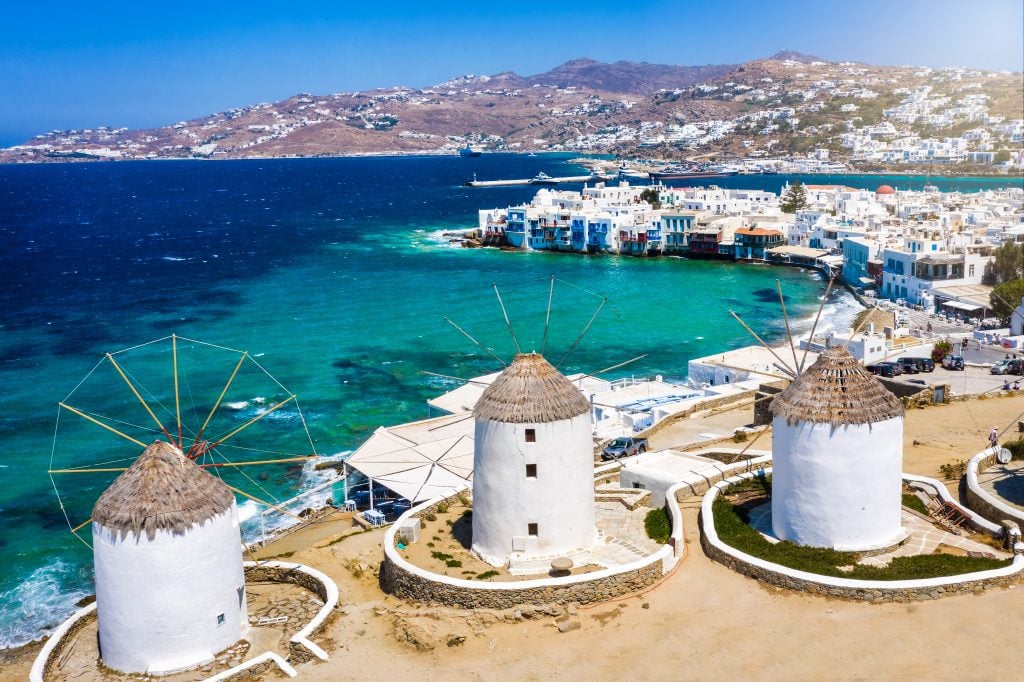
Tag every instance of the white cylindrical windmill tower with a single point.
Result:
(170, 589)
(837, 458)
(533, 465)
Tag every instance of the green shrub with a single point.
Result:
(734, 531)
(739, 436)
(912, 501)
(940, 350)
(1016, 447)
(658, 526)
(442, 507)
(954, 470)
(486, 574)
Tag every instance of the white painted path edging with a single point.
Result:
(39, 665)
(301, 637)
(708, 528)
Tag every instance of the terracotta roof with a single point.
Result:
(530, 391)
(885, 189)
(162, 490)
(758, 232)
(836, 390)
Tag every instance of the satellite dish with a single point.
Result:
(1004, 456)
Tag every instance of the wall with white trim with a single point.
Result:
(859, 590)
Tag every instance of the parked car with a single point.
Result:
(909, 365)
(882, 370)
(926, 364)
(1015, 366)
(897, 368)
(1001, 367)
(953, 362)
(624, 447)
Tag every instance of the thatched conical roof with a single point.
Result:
(530, 391)
(162, 490)
(836, 390)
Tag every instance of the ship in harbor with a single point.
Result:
(470, 151)
(690, 173)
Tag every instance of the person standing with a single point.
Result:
(993, 437)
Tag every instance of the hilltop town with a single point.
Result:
(790, 107)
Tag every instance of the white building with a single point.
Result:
(533, 466)
(837, 458)
(170, 590)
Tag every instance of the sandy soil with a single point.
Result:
(702, 622)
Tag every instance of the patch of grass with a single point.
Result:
(486, 574)
(912, 501)
(739, 436)
(442, 507)
(658, 525)
(733, 529)
(760, 484)
(447, 559)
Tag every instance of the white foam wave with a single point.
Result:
(249, 513)
(172, 259)
(37, 605)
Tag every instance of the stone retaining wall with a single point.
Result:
(982, 501)
(408, 581)
(875, 591)
(403, 583)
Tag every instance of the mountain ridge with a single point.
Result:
(789, 102)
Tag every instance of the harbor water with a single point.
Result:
(335, 276)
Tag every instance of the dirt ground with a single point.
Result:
(703, 622)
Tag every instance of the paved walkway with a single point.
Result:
(925, 538)
(1006, 482)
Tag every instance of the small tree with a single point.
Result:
(1002, 156)
(1006, 297)
(652, 197)
(1007, 264)
(941, 350)
(795, 198)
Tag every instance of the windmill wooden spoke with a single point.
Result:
(508, 322)
(137, 395)
(547, 317)
(222, 439)
(582, 333)
(83, 415)
(218, 465)
(784, 367)
(177, 395)
(264, 502)
(817, 317)
(81, 526)
(478, 344)
(86, 470)
(216, 406)
(789, 333)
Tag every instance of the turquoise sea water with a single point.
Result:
(332, 273)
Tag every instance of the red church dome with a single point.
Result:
(885, 189)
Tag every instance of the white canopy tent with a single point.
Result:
(420, 460)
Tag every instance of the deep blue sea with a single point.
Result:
(333, 275)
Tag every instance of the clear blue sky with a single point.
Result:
(141, 64)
